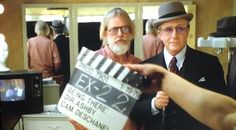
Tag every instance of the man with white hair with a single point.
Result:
(152, 45)
(117, 31)
(43, 54)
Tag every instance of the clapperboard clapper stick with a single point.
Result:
(101, 93)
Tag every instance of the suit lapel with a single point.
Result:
(158, 60)
(188, 70)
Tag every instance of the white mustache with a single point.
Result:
(121, 40)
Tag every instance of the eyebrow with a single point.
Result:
(120, 26)
(177, 25)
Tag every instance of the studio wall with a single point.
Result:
(207, 13)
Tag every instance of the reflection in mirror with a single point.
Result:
(58, 22)
(151, 44)
(147, 15)
(45, 14)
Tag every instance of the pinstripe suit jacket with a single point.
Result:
(199, 68)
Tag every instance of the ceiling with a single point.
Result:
(82, 11)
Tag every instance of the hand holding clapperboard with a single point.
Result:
(101, 93)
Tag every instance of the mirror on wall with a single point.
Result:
(83, 20)
(46, 14)
(57, 19)
(32, 15)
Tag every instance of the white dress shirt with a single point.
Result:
(167, 56)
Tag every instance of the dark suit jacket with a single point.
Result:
(199, 68)
(231, 77)
(62, 43)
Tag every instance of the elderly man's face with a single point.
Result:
(174, 35)
(118, 35)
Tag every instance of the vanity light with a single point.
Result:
(2, 37)
(1, 8)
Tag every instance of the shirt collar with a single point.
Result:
(56, 35)
(180, 57)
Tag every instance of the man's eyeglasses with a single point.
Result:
(123, 29)
(180, 29)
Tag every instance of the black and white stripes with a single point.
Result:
(111, 68)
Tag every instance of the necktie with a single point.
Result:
(172, 66)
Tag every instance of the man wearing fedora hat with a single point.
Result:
(155, 109)
(226, 27)
(62, 43)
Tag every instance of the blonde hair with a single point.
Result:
(113, 13)
(42, 28)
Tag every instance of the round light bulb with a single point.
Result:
(1, 8)
(2, 37)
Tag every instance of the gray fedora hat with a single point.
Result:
(57, 25)
(171, 11)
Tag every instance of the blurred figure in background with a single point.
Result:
(51, 34)
(43, 54)
(231, 77)
(62, 43)
(226, 28)
(152, 45)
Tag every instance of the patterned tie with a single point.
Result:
(172, 66)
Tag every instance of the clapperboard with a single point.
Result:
(101, 93)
